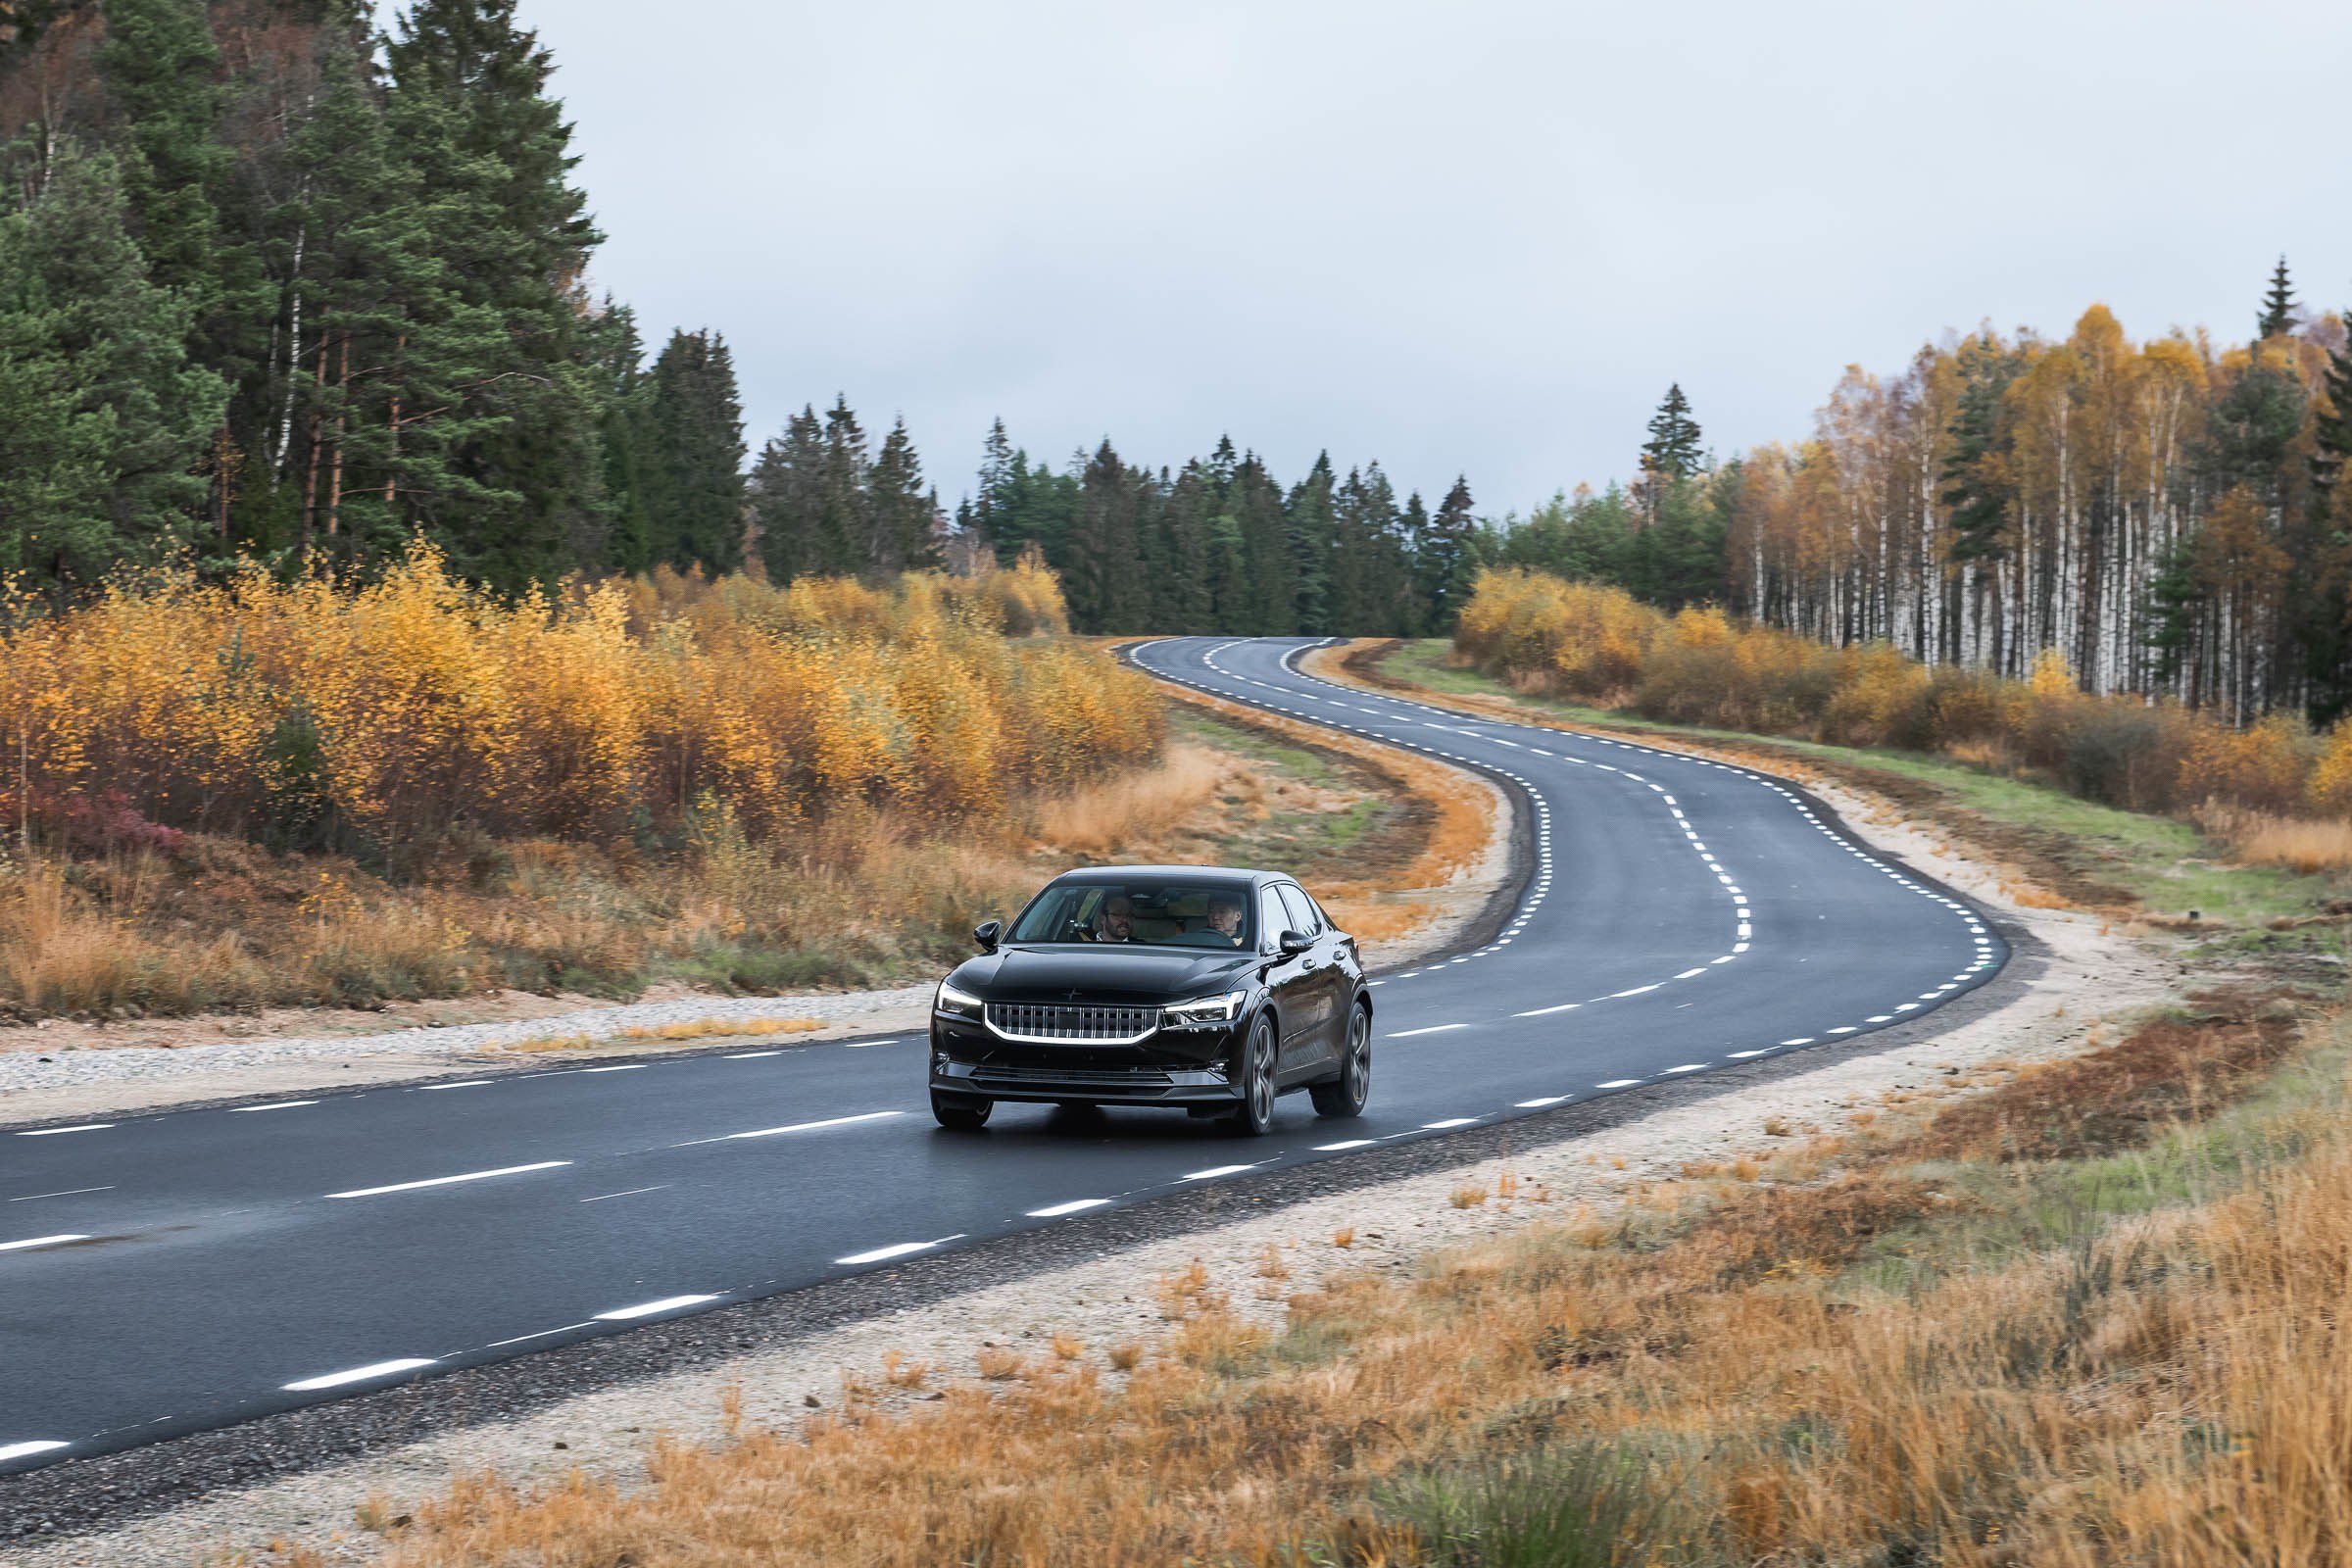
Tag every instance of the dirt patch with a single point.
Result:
(2170, 1070)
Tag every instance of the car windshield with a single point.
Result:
(1164, 912)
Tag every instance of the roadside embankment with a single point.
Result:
(1408, 851)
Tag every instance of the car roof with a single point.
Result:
(1120, 873)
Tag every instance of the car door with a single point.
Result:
(1290, 981)
(1326, 981)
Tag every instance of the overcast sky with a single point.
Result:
(1475, 237)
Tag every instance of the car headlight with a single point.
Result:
(956, 1003)
(1205, 1010)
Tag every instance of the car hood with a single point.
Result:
(1112, 975)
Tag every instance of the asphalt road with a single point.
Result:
(161, 1274)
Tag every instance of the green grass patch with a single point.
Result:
(2167, 866)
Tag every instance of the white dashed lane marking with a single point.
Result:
(669, 1304)
(25, 1450)
(452, 1180)
(39, 1240)
(371, 1373)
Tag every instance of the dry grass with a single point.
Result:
(2299, 843)
(867, 896)
(1843, 1373)
(1107, 820)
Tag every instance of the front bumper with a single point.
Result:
(1173, 1068)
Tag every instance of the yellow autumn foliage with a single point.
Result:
(1699, 666)
(417, 703)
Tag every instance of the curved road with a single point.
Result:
(160, 1274)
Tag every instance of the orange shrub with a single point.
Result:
(1698, 668)
(416, 704)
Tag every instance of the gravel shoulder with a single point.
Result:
(598, 1410)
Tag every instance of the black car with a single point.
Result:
(1183, 986)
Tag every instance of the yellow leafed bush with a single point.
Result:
(415, 704)
(1699, 667)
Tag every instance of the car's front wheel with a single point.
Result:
(963, 1113)
(1254, 1118)
(1344, 1096)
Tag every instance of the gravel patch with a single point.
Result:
(64, 1084)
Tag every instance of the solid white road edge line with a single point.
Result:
(52, 1132)
(1073, 1206)
(283, 1105)
(447, 1181)
(358, 1374)
(541, 1335)
(70, 1191)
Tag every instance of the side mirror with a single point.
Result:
(987, 934)
(1293, 942)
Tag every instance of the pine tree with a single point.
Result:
(1451, 558)
(1266, 588)
(693, 478)
(615, 357)
(1188, 595)
(469, 106)
(899, 511)
(839, 529)
(101, 418)
(1000, 473)
(2332, 432)
(1412, 532)
(2278, 306)
(158, 64)
(1103, 576)
(787, 499)
(1307, 531)
(1671, 450)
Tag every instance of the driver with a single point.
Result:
(1225, 917)
(1115, 922)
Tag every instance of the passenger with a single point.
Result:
(1225, 917)
(1116, 921)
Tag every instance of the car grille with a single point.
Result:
(1052, 1021)
(1125, 1076)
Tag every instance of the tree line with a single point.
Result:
(274, 285)
(1221, 545)
(2166, 515)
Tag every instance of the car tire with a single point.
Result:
(1254, 1118)
(962, 1114)
(1344, 1096)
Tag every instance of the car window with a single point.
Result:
(1273, 919)
(1159, 912)
(1303, 910)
